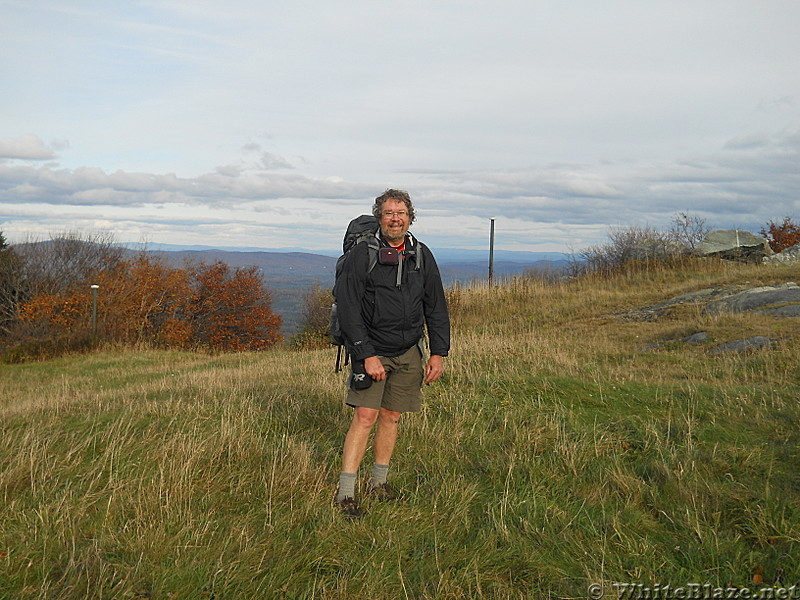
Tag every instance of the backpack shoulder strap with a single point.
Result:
(417, 246)
(373, 245)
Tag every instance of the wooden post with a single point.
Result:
(491, 252)
(95, 287)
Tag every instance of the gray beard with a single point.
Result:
(393, 240)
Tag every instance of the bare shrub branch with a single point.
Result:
(688, 230)
(627, 244)
(315, 318)
(66, 260)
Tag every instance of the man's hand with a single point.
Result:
(434, 368)
(374, 368)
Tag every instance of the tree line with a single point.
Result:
(48, 304)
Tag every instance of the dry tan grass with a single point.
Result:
(554, 452)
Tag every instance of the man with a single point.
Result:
(383, 313)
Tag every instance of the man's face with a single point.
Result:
(394, 220)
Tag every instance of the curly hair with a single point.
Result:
(396, 195)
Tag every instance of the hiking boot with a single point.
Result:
(384, 492)
(350, 508)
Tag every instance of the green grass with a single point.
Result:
(554, 453)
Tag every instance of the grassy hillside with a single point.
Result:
(555, 453)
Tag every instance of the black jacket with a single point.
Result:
(377, 317)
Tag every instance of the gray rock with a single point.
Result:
(757, 298)
(790, 310)
(656, 311)
(697, 338)
(649, 347)
(699, 296)
(787, 257)
(753, 343)
(734, 244)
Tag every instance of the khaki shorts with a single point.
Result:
(401, 391)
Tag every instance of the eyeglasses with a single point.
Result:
(395, 213)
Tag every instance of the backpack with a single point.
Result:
(361, 229)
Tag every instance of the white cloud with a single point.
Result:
(549, 116)
(27, 147)
(729, 187)
(272, 162)
(225, 187)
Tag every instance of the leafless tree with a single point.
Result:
(315, 318)
(628, 244)
(688, 230)
(66, 260)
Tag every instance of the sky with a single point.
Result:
(258, 123)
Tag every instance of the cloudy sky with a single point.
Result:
(271, 124)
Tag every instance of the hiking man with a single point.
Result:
(382, 313)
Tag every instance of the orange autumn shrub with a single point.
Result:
(782, 235)
(142, 299)
(231, 310)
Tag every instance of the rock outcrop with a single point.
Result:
(754, 343)
(783, 300)
(787, 257)
(734, 244)
(656, 311)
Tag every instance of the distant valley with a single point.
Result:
(290, 274)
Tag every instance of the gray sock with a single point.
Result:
(379, 473)
(347, 486)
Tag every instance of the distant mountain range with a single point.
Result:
(290, 272)
(442, 254)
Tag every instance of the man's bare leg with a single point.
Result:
(386, 435)
(383, 448)
(355, 446)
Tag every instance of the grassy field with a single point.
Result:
(555, 453)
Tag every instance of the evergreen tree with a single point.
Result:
(10, 284)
